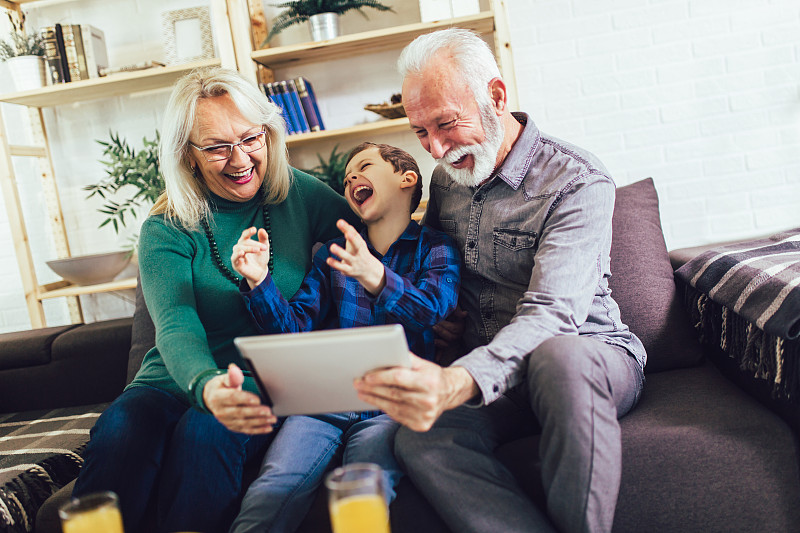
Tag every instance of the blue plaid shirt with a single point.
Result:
(423, 274)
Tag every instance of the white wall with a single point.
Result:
(702, 95)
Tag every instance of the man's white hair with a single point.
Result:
(474, 60)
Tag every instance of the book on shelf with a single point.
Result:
(290, 90)
(297, 102)
(73, 52)
(277, 99)
(308, 101)
(73, 48)
(52, 55)
(290, 116)
(94, 49)
(62, 54)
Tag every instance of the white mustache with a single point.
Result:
(454, 154)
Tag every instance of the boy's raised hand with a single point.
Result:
(356, 261)
(251, 258)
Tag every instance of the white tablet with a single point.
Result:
(310, 373)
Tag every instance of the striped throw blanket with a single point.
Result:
(759, 280)
(39, 454)
(744, 298)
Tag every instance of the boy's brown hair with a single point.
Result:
(401, 162)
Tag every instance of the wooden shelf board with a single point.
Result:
(119, 84)
(379, 126)
(365, 42)
(76, 290)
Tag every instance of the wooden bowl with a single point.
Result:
(387, 110)
(91, 269)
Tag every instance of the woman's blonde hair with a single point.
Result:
(186, 196)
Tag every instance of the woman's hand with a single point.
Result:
(237, 410)
(251, 258)
(356, 261)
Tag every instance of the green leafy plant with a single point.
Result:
(297, 11)
(125, 167)
(21, 44)
(331, 171)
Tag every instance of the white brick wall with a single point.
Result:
(702, 95)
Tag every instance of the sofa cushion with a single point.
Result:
(700, 455)
(642, 281)
(28, 348)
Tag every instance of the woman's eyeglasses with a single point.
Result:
(220, 152)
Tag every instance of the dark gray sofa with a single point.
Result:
(707, 449)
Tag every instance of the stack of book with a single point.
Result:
(298, 104)
(73, 52)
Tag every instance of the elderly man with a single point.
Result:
(545, 348)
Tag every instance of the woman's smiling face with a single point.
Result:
(238, 178)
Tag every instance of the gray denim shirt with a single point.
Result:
(535, 242)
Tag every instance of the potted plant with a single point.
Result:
(24, 55)
(331, 171)
(322, 15)
(136, 171)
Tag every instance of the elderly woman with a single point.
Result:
(176, 440)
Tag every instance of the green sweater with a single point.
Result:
(197, 311)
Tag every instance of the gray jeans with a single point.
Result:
(577, 388)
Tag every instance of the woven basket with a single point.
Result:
(387, 110)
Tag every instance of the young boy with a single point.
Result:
(395, 271)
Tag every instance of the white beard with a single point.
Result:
(484, 155)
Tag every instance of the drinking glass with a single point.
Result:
(356, 499)
(94, 513)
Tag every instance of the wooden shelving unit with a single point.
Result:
(65, 289)
(120, 84)
(236, 49)
(114, 85)
(364, 130)
(366, 42)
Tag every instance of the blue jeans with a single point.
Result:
(160, 456)
(303, 451)
(576, 389)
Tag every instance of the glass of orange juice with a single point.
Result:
(94, 513)
(356, 499)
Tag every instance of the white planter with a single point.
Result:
(324, 26)
(27, 72)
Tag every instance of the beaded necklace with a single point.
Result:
(222, 267)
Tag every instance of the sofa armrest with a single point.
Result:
(87, 364)
(762, 364)
(680, 256)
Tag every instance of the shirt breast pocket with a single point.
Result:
(514, 252)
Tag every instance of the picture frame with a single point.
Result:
(187, 35)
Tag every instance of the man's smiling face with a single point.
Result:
(450, 124)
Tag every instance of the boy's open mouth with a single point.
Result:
(241, 177)
(361, 193)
